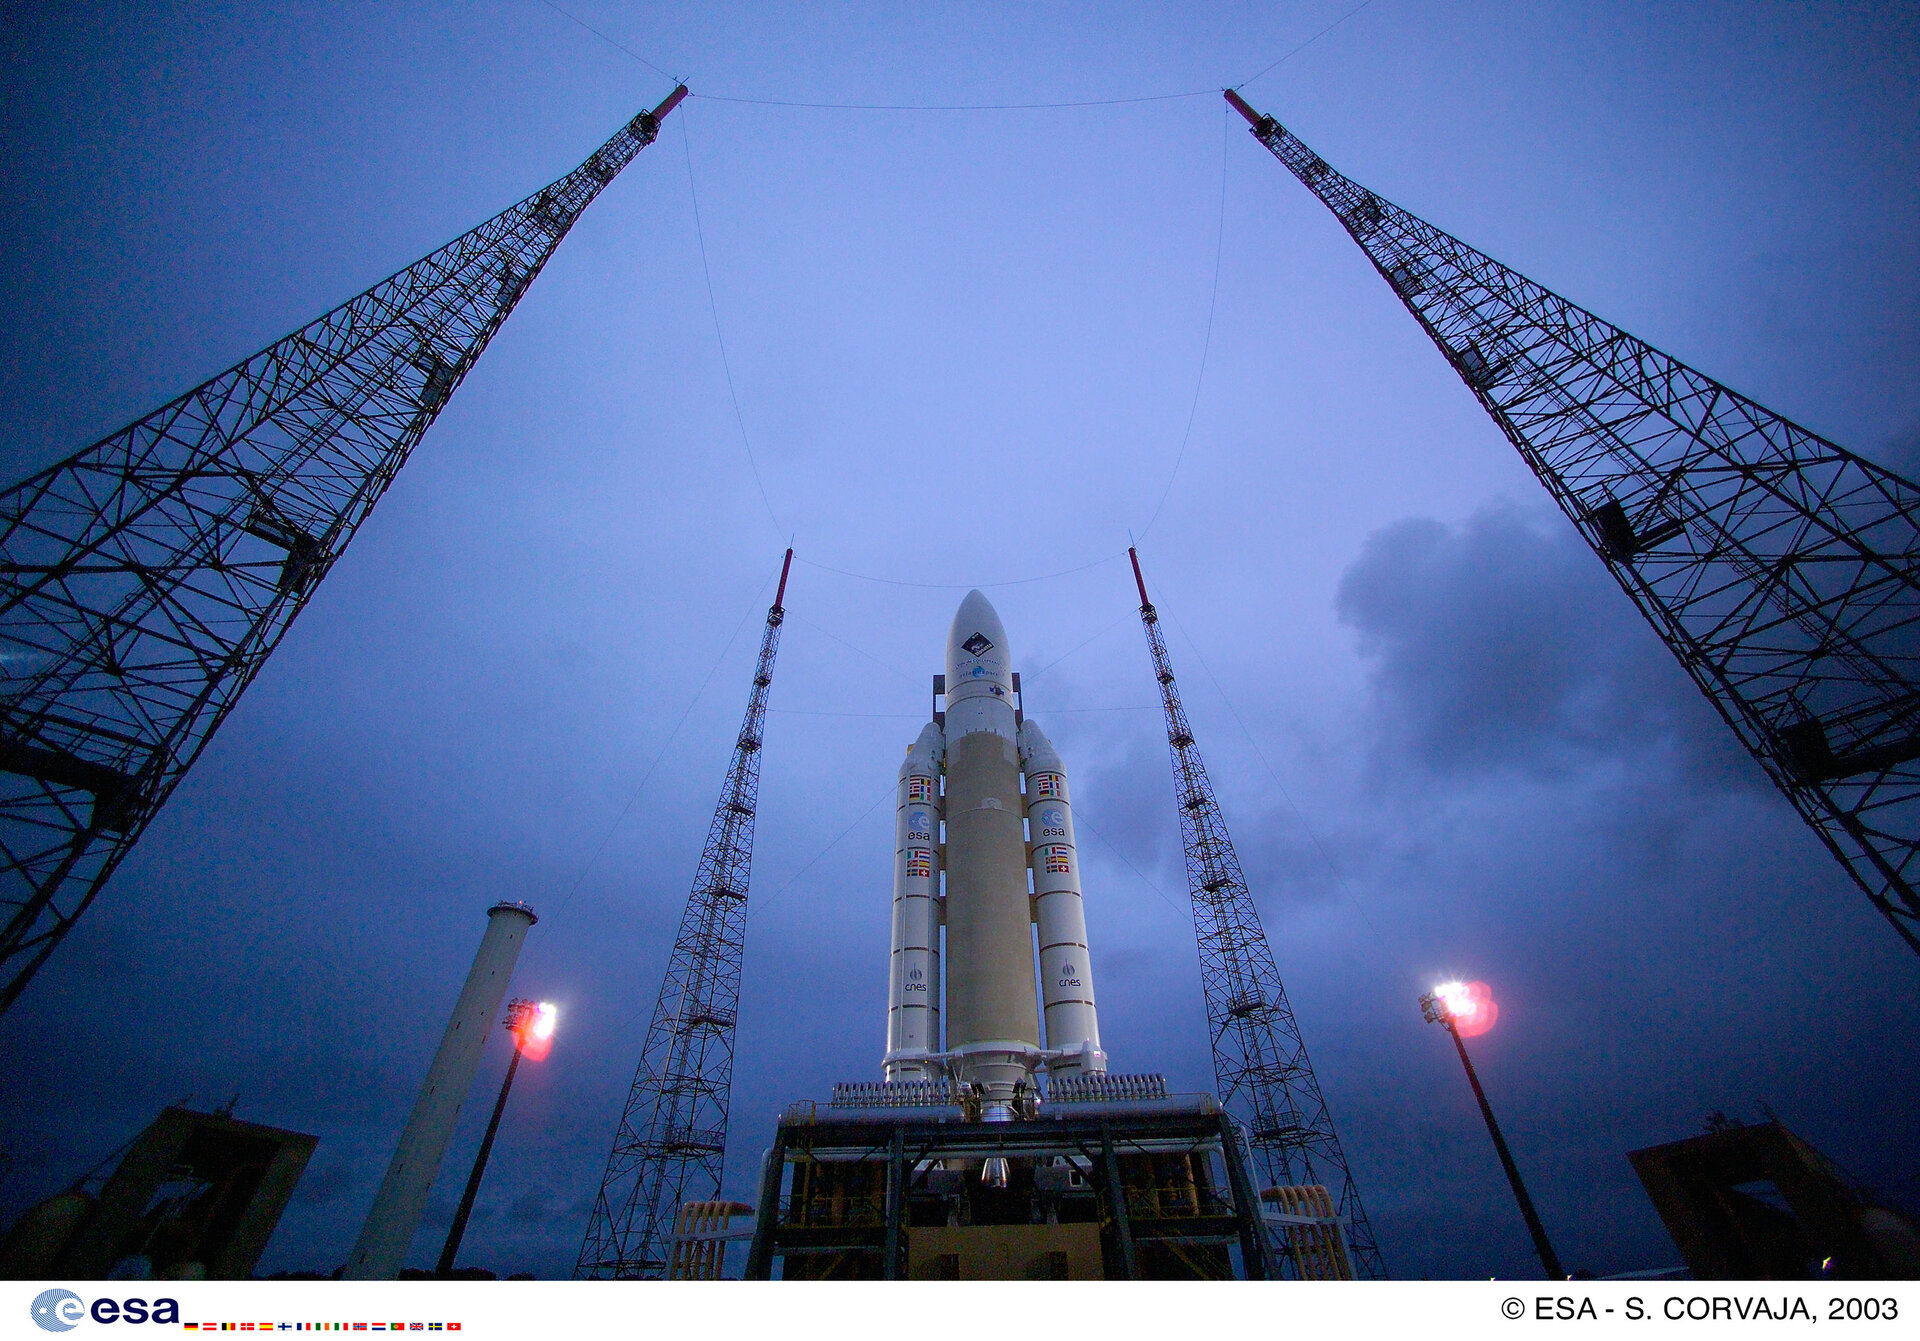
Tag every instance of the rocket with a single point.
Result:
(986, 866)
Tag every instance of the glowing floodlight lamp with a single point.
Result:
(540, 1031)
(1467, 1009)
(531, 1025)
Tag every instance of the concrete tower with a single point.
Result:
(382, 1247)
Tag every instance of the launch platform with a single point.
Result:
(1114, 1180)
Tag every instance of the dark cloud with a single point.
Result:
(1550, 803)
(535, 1206)
(1127, 807)
(1502, 646)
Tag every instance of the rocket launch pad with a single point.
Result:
(999, 1146)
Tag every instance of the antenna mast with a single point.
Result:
(671, 1144)
(1260, 1062)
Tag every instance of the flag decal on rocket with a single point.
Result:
(977, 644)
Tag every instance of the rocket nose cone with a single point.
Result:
(977, 650)
(976, 615)
(1036, 751)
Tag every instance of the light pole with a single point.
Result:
(531, 1025)
(1450, 1005)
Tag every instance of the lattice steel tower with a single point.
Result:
(145, 580)
(671, 1144)
(1260, 1062)
(1783, 571)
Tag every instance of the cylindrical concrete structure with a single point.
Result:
(1066, 966)
(913, 1002)
(993, 1027)
(382, 1247)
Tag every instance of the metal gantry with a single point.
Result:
(1783, 571)
(671, 1145)
(1260, 1063)
(145, 580)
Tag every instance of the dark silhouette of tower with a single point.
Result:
(672, 1141)
(145, 580)
(1260, 1063)
(1783, 571)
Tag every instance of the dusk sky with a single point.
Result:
(966, 346)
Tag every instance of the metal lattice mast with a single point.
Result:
(145, 580)
(672, 1141)
(1783, 571)
(1260, 1063)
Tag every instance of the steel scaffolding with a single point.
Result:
(671, 1144)
(145, 580)
(1783, 571)
(1260, 1062)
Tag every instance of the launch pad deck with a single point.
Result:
(1115, 1190)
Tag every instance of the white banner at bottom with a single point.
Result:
(486, 1310)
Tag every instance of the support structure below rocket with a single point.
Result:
(986, 870)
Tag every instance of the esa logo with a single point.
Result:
(63, 1310)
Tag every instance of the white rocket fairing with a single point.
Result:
(1010, 867)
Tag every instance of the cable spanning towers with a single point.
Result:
(671, 1144)
(1783, 571)
(1260, 1062)
(145, 580)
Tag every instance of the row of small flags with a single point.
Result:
(321, 1326)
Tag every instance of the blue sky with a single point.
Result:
(966, 347)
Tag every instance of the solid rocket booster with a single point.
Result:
(1012, 882)
(913, 1012)
(1066, 968)
(993, 1026)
